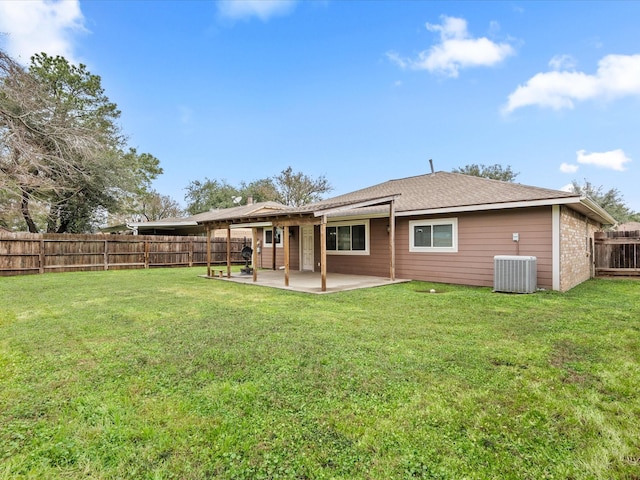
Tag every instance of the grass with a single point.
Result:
(161, 374)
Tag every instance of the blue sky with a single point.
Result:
(360, 92)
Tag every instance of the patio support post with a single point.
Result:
(208, 250)
(254, 257)
(323, 252)
(228, 251)
(273, 247)
(392, 240)
(285, 233)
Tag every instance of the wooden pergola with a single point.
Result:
(296, 218)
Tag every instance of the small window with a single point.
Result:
(268, 237)
(348, 238)
(436, 236)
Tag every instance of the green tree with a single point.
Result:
(289, 188)
(296, 189)
(205, 195)
(61, 146)
(611, 200)
(494, 172)
(263, 190)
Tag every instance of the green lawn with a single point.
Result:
(162, 374)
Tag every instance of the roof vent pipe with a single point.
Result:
(431, 163)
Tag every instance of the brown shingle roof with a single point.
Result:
(237, 212)
(445, 190)
(431, 192)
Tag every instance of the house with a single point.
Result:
(629, 227)
(439, 227)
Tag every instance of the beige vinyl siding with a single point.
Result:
(376, 263)
(294, 249)
(481, 236)
(265, 257)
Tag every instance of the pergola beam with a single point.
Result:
(228, 251)
(286, 255)
(323, 253)
(392, 240)
(254, 255)
(208, 228)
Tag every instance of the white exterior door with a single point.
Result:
(307, 247)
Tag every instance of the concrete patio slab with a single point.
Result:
(309, 282)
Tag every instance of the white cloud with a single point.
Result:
(614, 159)
(617, 76)
(456, 50)
(263, 9)
(563, 62)
(40, 26)
(397, 59)
(568, 168)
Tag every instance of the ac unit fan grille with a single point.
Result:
(515, 274)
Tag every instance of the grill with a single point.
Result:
(246, 254)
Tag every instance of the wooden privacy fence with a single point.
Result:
(617, 253)
(28, 253)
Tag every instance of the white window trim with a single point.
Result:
(264, 238)
(441, 221)
(367, 236)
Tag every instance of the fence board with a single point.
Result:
(32, 253)
(617, 253)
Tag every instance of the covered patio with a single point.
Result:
(309, 282)
(298, 217)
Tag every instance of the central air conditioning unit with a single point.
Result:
(515, 274)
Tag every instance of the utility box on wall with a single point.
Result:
(515, 274)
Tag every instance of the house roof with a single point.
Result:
(445, 192)
(259, 208)
(443, 189)
(435, 193)
(629, 227)
(195, 221)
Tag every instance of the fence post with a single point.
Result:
(41, 257)
(191, 252)
(106, 255)
(146, 254)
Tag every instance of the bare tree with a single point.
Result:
(60, 144)
(155, 206)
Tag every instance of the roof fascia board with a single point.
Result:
(598, 210)
(145, 225)
(489, 206)
(357, 217)
(251, 225)
(351, 206)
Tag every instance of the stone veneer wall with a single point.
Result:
(576, 248)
